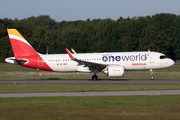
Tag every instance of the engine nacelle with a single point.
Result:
(114, 71)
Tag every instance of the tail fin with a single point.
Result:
(19, 45)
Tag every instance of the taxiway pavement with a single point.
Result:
(104, 93)
(85, 81)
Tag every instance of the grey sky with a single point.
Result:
(71, 10)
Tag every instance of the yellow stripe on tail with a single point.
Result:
(14, 32)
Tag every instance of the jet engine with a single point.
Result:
(114, 71)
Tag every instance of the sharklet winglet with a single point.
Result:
(69, 53)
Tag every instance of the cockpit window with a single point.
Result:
(163, 57)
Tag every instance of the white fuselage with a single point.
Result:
(130, 60)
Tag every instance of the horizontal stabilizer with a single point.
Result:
(12, 60)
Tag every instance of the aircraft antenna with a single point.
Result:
(46, 50)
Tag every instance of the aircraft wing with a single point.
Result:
(92, 65)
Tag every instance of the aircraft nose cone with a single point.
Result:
(171, 62)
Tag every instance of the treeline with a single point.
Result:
(160, 32)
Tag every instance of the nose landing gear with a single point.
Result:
(151, 72)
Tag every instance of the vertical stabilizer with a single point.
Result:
(19, 45)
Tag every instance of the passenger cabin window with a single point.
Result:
(163, 57)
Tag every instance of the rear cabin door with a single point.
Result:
(40, 61)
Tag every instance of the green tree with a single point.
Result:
(151, 39)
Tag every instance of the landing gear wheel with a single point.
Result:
(152, 77)
(94, 77)
(151, 72)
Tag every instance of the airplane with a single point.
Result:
(113, 64)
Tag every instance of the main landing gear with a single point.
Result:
(151, 77)
(94, 77)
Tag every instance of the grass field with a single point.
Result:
(163, 107)
(81, 88)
